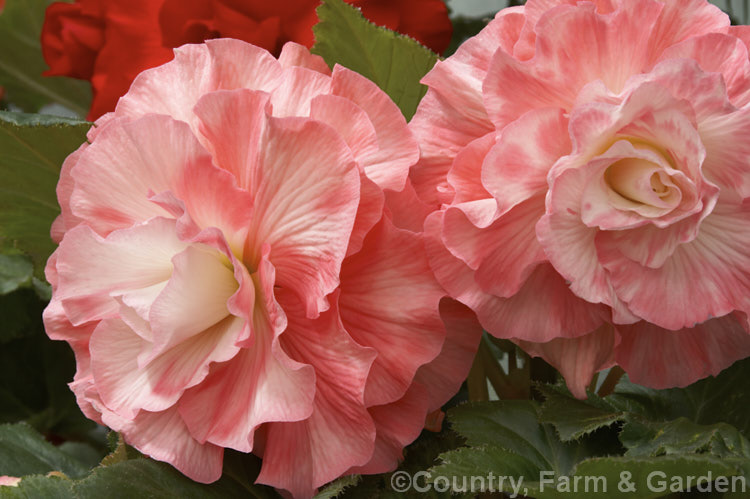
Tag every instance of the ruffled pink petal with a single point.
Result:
(405, 209)
(142, 157)
(465, 176)
(339, 433)
(718, 53)
(350, 121)
(388, 166)
(91, 268)
(569, 243)
(682, 19)
(727, 160)
(294, 54)
(578, 359)
(443, 377)
(307, 194)
(262, 381)
(126, 387)
(196, 70)
(708, 277)
(398, 424)
(66, 220)
(516, 168)
(371, 203)
(543, 309)
(164, 437)
(374, 282)
(245, 111)
(503, 254)
(696, 352)
(298, 87)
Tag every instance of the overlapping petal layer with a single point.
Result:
(591, 185)
(232, 272)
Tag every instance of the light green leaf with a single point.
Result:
(394, 62)
(22, 64)
(32, 149)
(337, 487)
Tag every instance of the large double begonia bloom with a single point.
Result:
(590, 164)
(229, 275)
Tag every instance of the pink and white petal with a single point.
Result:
(369, 213)
(443, 377)
(58, 326)
(465, 176)
(232, 122)
(503, 254)
(683, 19)
(140, 157)
(517, 167)
(196, 70)
(398, 424)
(543, 309)
(294, 54)
(405, 209)
(262, 381)
(163, 436)
(126, 386)
(298, 87)
(351, 122)
(406, 334)
(398, 150)
(91, 268)
(340, 433)
(452, 113)
(65, 186)
(194, 299)
(578, 359)
(727, 162)
(718, 53)
(700, 351)
(568, 242)
(708, 277)
(608, 47)
(307, 195)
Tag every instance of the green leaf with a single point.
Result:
(33, 149)
(575, 418)
(36, 486)
(23, 451)
(337, 487)
(22, 64)
(721, 399)
(148, 478)
(680, 437)
(15, 271)
(394, 62)
(506, 441)
(514, 425)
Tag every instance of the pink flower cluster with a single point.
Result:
(590, 166)
(254, 253)
(229, 275)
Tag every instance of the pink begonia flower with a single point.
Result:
(229, 277)
(589, 162)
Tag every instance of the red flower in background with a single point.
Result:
(110, 42)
